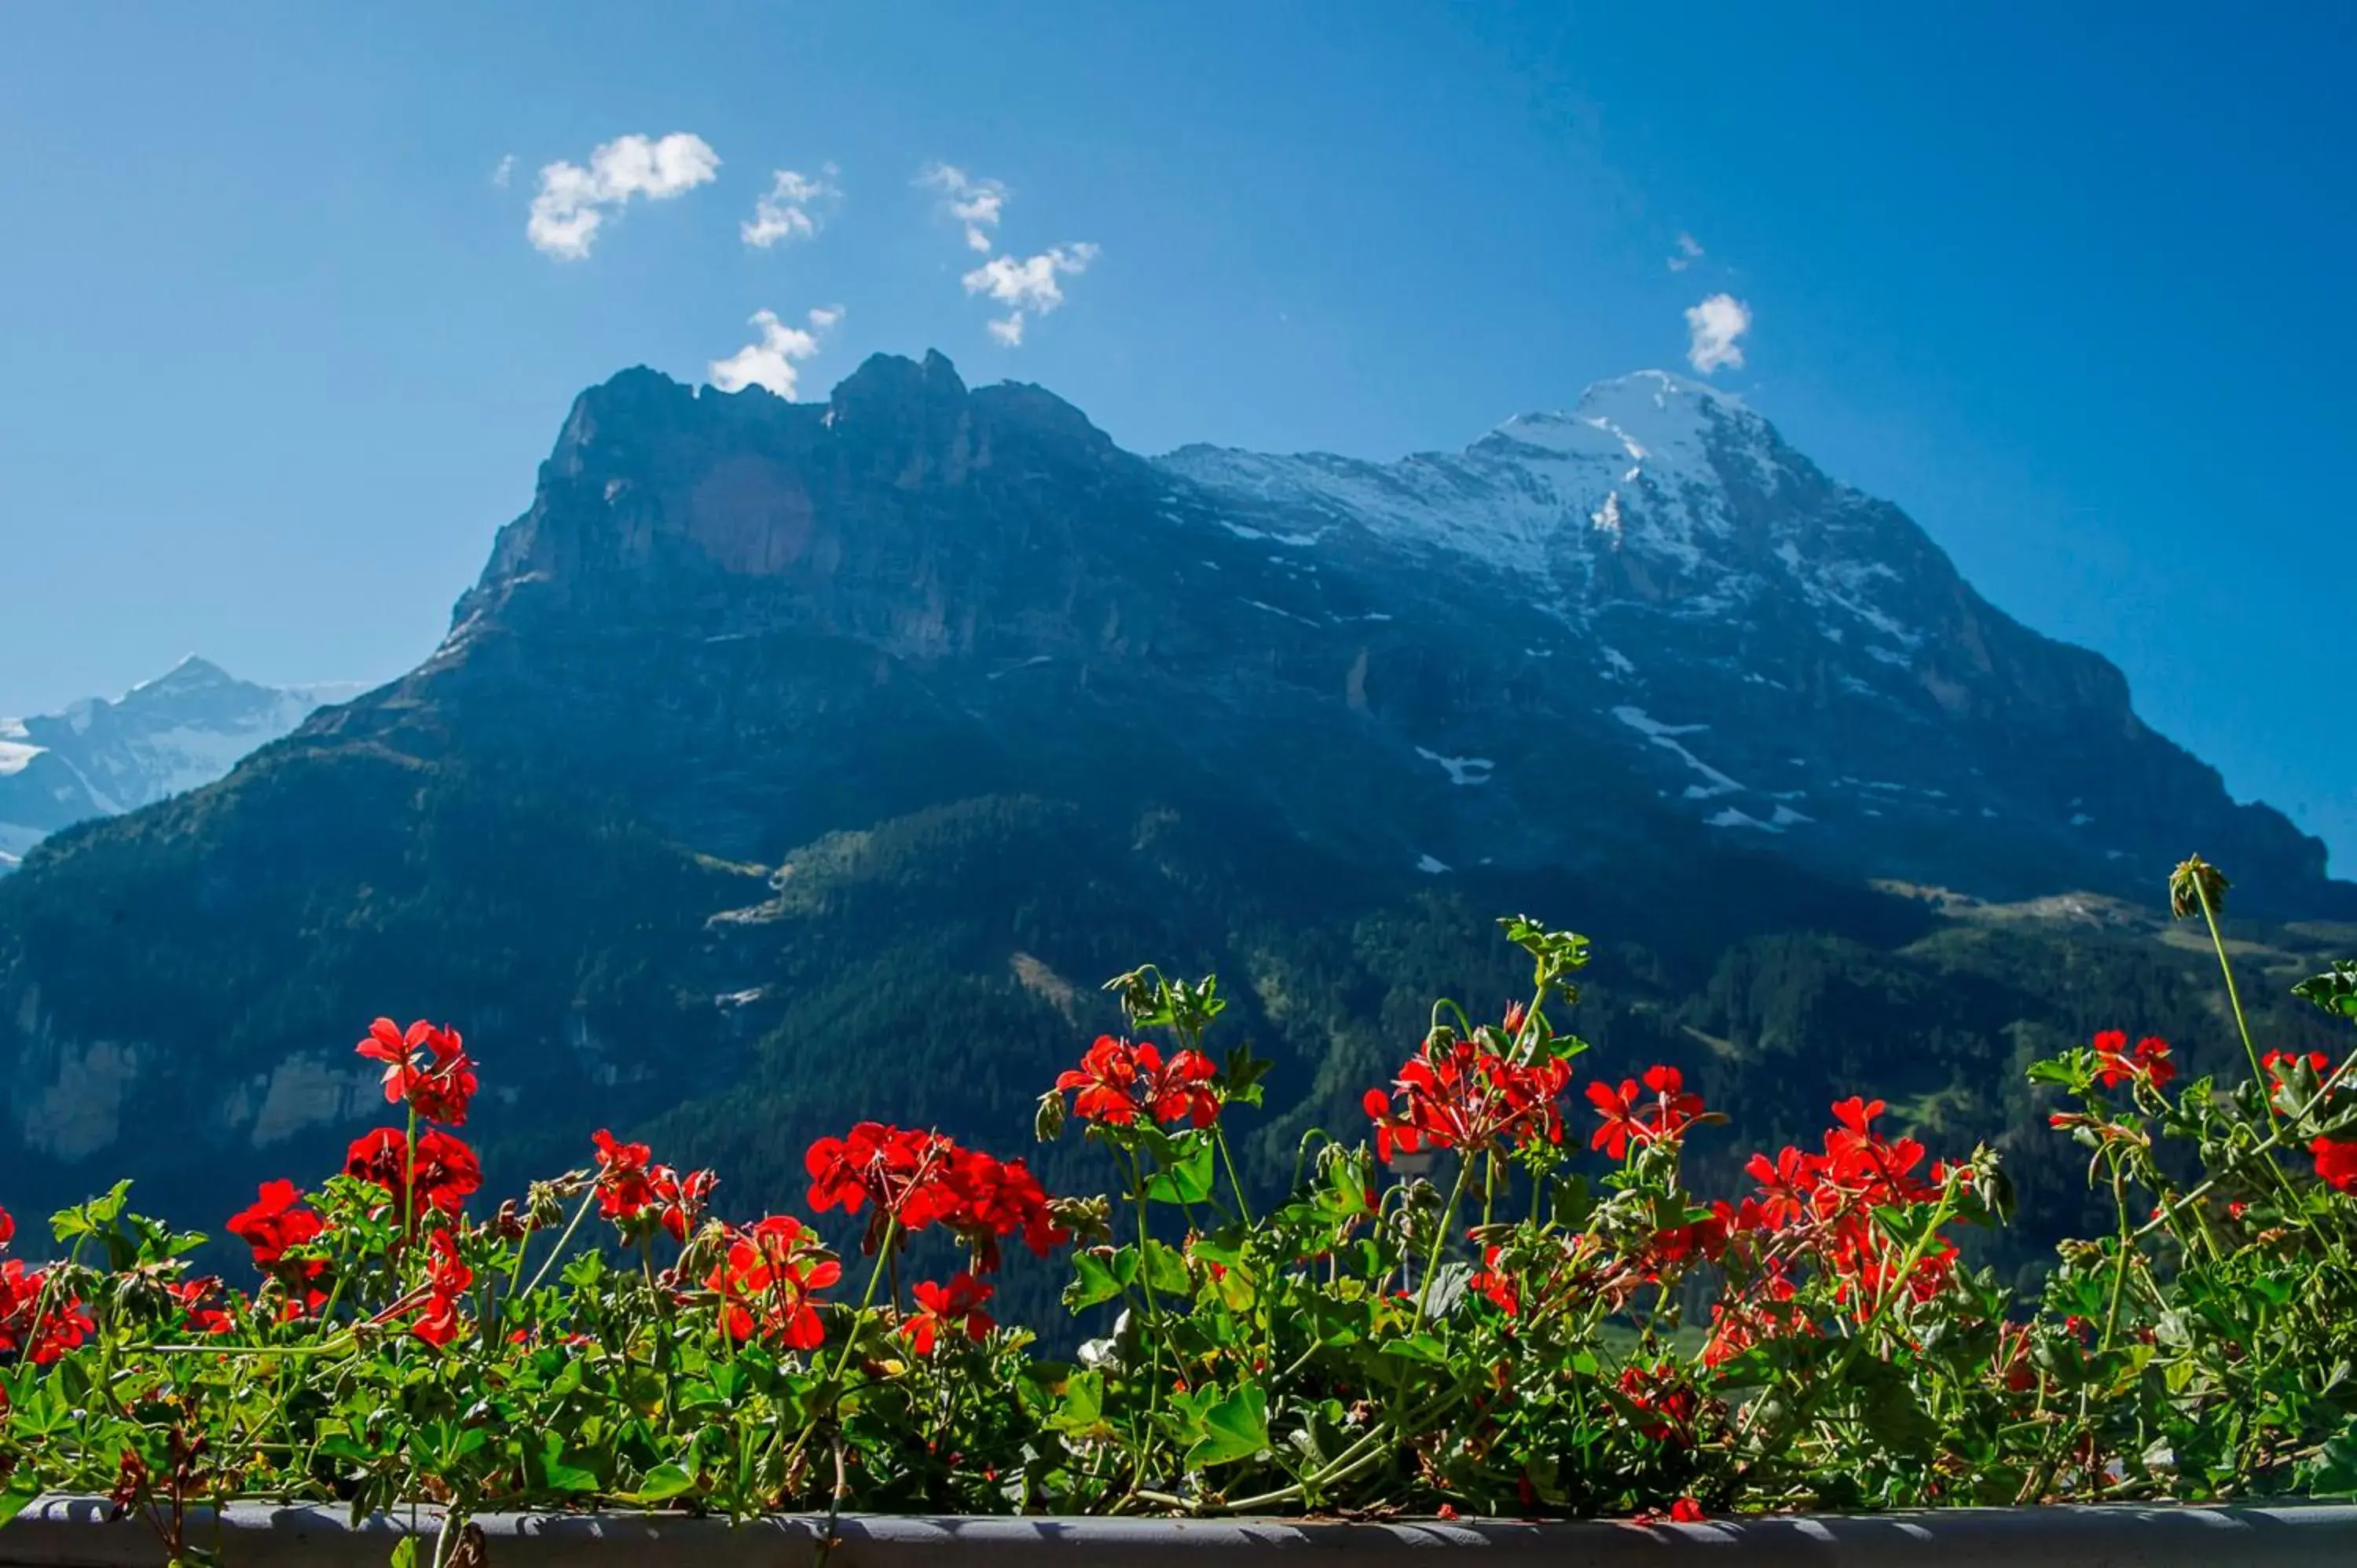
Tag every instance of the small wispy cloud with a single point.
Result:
(503, 171)
(1028, 285)
(1690, 251)
(976, 203)
(769, 360)
(794, 208)
(1714, 329)
(573, 200)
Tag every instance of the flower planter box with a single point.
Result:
(80, 1532)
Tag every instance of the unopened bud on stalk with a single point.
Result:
(2196, 883)
(543, 1207)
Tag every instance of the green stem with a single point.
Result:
(1243, 1203)
(563, 1239)
(1440, 1238)
(2234, 996)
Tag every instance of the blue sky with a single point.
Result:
(2070, 285)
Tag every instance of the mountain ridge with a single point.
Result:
(795, 762)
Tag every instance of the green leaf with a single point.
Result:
(405, 1552)
(2335, 991)
(1891, 1411)
(562, 1476)
(1099, 1277)
(1570, 1202)
(1081, 1410)
(23, 1487)
(662, 1483)
(1240, 1083)
(1189, 1178)
(1166, 1271)
(1417, 1347)
(2333, 1472)
(90, 1218)
(1235, 1428)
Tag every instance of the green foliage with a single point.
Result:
(1526, 1327)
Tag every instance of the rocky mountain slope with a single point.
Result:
(98, 759)
(793, 762)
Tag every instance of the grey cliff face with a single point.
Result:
(1648, 610)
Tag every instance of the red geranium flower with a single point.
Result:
(446, 1279)
(8, 1228)
(767, 1282)
(1118, 1082)
(1499, 1287)
(1630, 1117)
(196, 1299)
(943, 1308)
(2149, 1061)
(1469, 1098)
(440, 1176)
(272, 1223)
(2336, 1162)
(923, 1179)
(623, 1188)
(63, 1325)
(680, 1200)
(438, 1088)
(1685, 1511)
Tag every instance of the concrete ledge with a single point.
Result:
(78, 1532)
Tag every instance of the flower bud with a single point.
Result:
(1048, 1125)
(2194, 886)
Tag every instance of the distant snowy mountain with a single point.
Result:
(98, 758)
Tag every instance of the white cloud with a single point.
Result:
(771, 361)
(1690, 251)
(572, 201)
(503, 171)
(1713, 328)
(1028, 284)
(786, 213)
(976, 203)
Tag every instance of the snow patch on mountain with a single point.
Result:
(1461, 770)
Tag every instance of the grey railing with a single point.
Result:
(76, 1532)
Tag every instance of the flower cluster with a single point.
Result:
(36, 1323)
(767, 1281)
(913, 1180)
(946, 1309)
(434, 1171)
(1661, 1113)
(447, 1278)
(1463, 1094)
(426, 1065)
(1120, 1083)
(635, 1194)
(280, 1229)
(2150, 1063)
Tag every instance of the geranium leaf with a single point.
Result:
(1235, 1428)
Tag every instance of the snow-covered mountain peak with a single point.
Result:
(193, 673)
(95, 759)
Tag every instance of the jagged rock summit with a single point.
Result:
(1584, 623)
